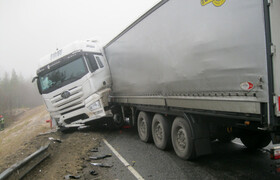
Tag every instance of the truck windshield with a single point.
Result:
(63, 75)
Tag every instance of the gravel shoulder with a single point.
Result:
(71, 156)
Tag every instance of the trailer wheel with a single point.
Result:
(182, 141)
(144, 124)
(255, 140)
(161, 131)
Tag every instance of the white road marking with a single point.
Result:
(129, 167)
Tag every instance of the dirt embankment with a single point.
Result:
(71, 156)
(20, 133)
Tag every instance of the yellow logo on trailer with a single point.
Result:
(216, 3)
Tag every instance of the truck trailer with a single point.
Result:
(189, 72)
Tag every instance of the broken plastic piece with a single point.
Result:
(101, 157)
(93, 172)
(82, 127)
(69, 176)
(101, 165)
(94, 149)
(133, 162)
(55, 140)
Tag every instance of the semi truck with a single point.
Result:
(75, 83)
(185, 73)
(189, 72)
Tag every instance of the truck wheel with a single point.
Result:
(144, 124)
(161, 131)
(118, 121)
(182, 141)
(255, 140)
(265, 139)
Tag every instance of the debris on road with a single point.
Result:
(30, 132)
(69, 176)
(101, 165)
(94, 149)
(55, 140)
(93, 172)
(133, 162)
(100, 157)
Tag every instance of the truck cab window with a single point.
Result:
(99, 62)
(92, 63)
(62, 75)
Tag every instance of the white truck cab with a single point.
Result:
(75, 82)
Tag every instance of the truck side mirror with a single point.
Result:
(34, 79)
(39, 89)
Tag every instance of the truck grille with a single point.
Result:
(73, 101)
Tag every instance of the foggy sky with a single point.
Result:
(31, 29)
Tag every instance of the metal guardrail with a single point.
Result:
(20, 169)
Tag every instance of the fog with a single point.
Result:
(31, 29)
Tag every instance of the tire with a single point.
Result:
(144, 126)
(118, 121)
(182, 141)
(161, 131)
(265, 139)
(255, 140)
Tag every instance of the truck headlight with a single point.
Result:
(94, 106)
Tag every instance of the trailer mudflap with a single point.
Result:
(201, 135)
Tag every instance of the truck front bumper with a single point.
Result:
(95, 107)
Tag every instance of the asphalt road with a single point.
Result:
(228, 161)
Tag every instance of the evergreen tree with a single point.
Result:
(16, 92)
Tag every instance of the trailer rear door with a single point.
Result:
(274, 8)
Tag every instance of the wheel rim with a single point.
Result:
(181, 138)
(159, 131)
(143, 127)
